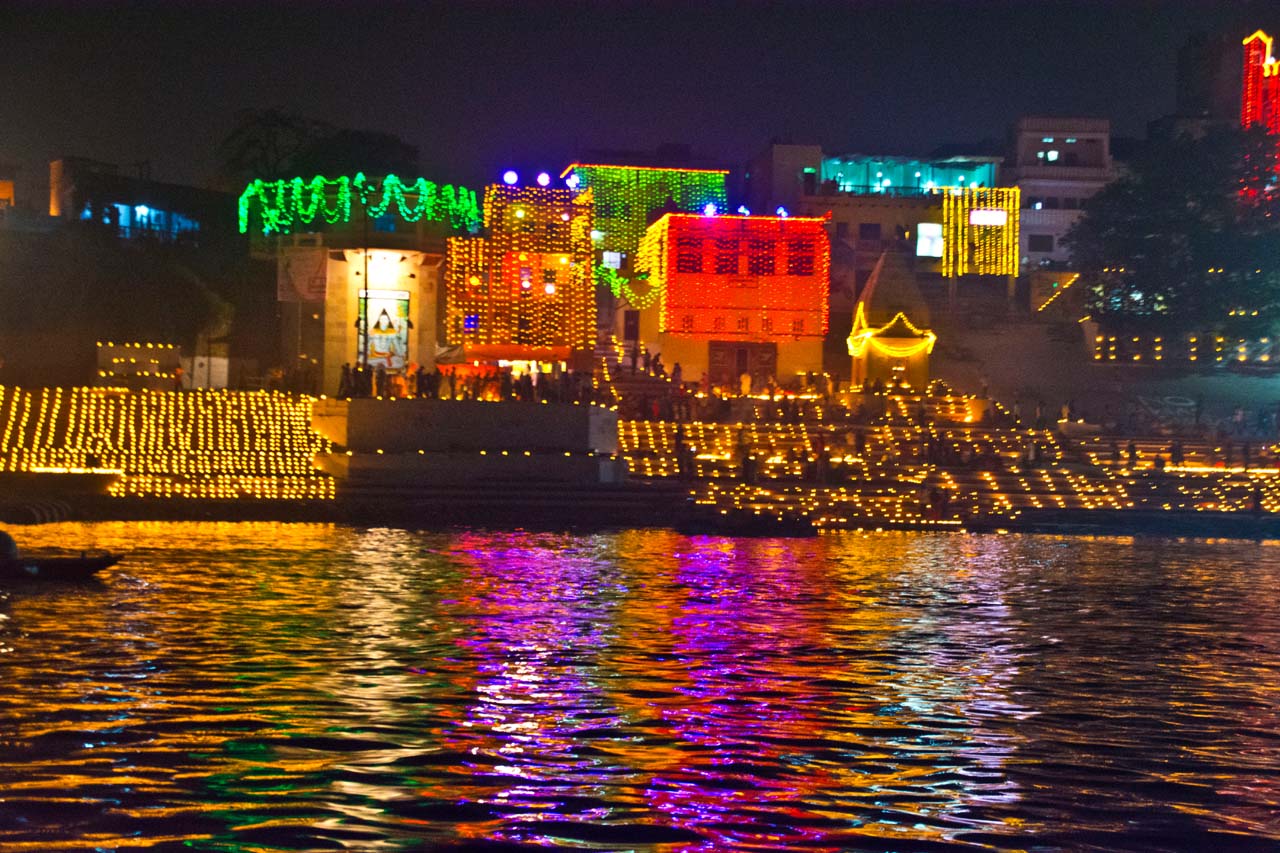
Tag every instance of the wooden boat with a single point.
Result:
(56, 568)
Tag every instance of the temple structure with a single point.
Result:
(891, 342)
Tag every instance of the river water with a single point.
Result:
(264, 687)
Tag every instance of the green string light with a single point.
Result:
(621, 288)
(283, 203)
(625, 196)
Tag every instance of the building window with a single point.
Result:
(761, 260)
(800, 257)
(842, 230)
(797, 327)
(471, 323)
(686, 323)
(1051, 155)
(688, 254)
(766, 324)
(548, 276)
(718, 324)
(1040, 242)
(1051, 202)
(869, 231)
(744, 325)
(726, 257)
(1071, 204)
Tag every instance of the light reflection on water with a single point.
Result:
(296, 687)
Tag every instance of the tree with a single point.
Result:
(1188, 240)
(272, 144)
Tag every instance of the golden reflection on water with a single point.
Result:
(264, 684)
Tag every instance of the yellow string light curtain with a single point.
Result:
(529, 281)
(227, 445)
(980, 227)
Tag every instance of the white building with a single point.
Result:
(1058, 163)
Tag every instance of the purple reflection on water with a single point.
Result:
(746, 722)
(536, 617)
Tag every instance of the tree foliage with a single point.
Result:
(273, 144)
(1188, 240)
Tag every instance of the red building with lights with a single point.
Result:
(1260, 92)
(739, 294)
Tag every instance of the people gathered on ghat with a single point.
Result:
(467, 382)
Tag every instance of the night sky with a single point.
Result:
(479, 86)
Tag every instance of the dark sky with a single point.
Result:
(478, 86)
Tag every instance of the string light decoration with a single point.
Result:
(626, 196)
(226, 445)
(527, 284)
(887, 340)
(1260, 92)
(280, 206)
(750, 278)
(980, 230)
(151, 365)
(620, 286)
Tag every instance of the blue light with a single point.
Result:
(141, 211)
(509, 177)
(572, 181)
(782, 211)
(742, 210)
(710, 209)
(543, 179)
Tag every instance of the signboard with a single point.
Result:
(387, 313)
(301, 274)
(929, 239)
(988, 216)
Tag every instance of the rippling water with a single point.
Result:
(307, 687)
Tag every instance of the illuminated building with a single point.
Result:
(358, 262)
(979, 231)
(626, 199)
(884, 343)
(739, 294)
(525, 290)
(626, 196)
(1058, 164)
(1260, 89)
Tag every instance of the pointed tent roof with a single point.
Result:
(890, 292)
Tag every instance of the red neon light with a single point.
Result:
(1260, 93)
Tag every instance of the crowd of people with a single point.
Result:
(462, 382)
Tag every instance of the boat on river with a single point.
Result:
(16, 566)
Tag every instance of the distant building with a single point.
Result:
(1260, 90)
(1058, 163)
(136, 207)
(739, 294)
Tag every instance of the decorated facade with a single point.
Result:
(980, 230)
(1260, 94)
(524, 290)
(739, 294)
